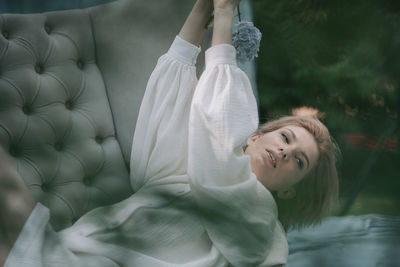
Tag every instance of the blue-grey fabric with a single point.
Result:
(352, 241)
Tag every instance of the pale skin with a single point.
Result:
(281, 158)
(194, 26)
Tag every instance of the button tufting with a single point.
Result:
(27, 109)
(69, 104)
(99, 139)
(6, 34)
(45, 187)
(39, 68)
(87, 181)
(80, 64)
(73, 220)
(58, 146)
(47, 28)
(14, 150)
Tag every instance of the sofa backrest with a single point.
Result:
(55, 117)
(71, 84)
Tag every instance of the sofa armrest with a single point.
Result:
(16, 204)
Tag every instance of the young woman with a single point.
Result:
(202, 199)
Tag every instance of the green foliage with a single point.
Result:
(337, 56)
(342, 58)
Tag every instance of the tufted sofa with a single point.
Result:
(71, 84)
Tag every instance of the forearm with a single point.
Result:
(223, 20)
(194, 26)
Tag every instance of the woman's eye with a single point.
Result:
(300, 163)
(285, 138)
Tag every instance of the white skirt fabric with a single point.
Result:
(197, 203)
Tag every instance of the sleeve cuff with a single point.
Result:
(221, 54)
(184, 51)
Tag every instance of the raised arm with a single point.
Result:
(239, 213)
(223, 19)
(162, 125)
(194, 26)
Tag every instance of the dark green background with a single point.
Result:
(342, 58)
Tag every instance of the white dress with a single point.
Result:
(197, 201)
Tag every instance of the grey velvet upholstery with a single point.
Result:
(71, 84)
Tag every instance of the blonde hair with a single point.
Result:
(317, 192)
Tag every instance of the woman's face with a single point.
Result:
(281, 158)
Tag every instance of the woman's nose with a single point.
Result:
(282, 153)
(285, 152)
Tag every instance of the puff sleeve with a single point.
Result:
(159, 146)
(239, 213)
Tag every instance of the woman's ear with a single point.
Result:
(253, 137)
(287, 194)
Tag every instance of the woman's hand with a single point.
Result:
(226, 4)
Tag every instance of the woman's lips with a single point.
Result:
(272, 157)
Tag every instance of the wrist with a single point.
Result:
(223, 20)
(224, 12)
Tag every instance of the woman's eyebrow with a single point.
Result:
(301, 152)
